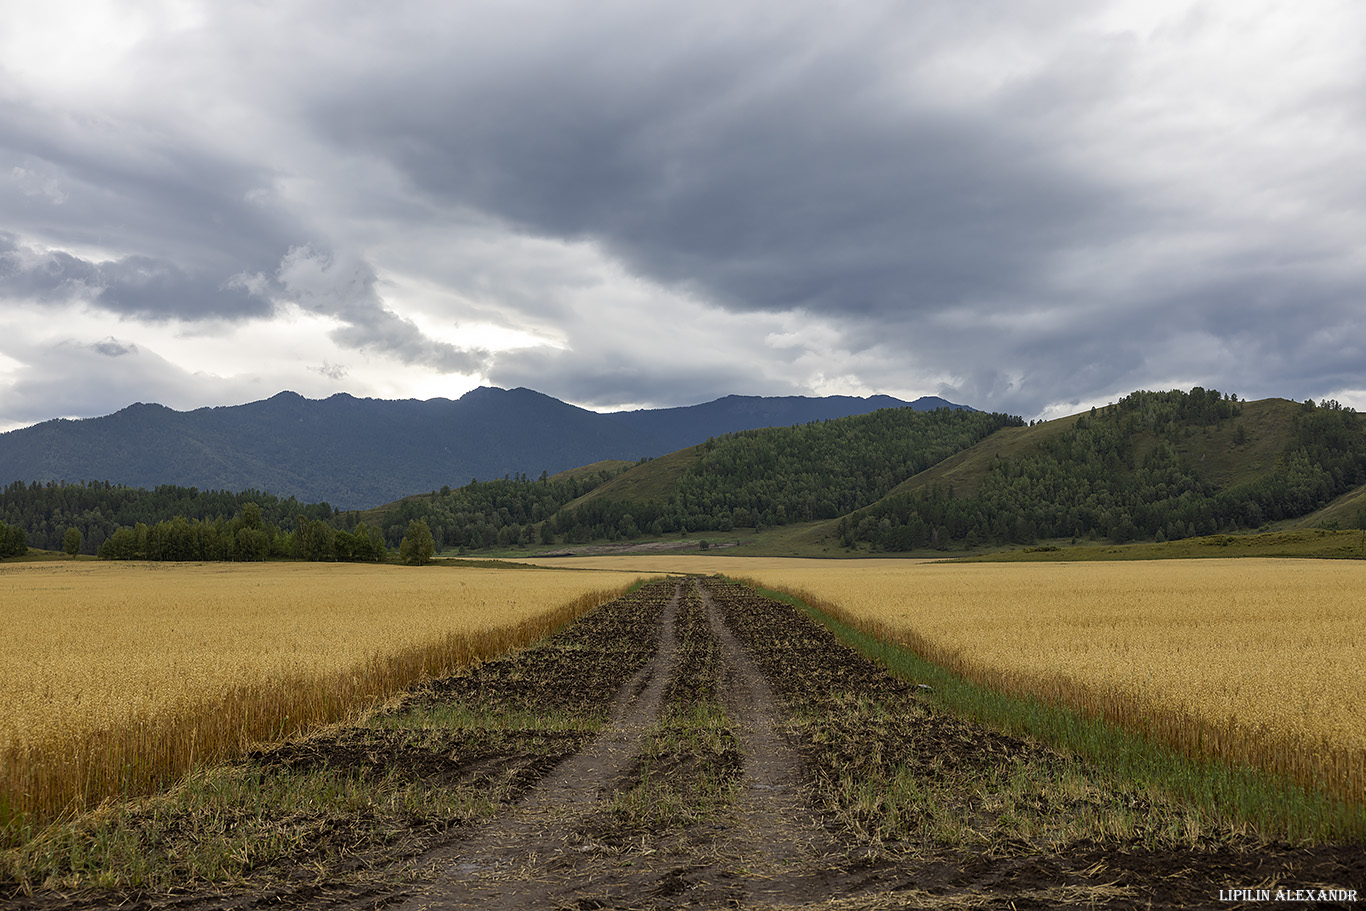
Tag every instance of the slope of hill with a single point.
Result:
(355, 453)
(1157, 466)
(1345, 512)
(753, 478)
(1266, 427)
(654, 479)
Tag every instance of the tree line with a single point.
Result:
(48, 510)
(118, 522)
(1091, 482)
(246, 537)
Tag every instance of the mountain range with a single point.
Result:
(356, 453)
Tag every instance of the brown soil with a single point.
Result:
(732, 769)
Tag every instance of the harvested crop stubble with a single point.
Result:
(117, 678)
(1250, 661)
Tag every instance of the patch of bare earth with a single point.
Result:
(537, 854)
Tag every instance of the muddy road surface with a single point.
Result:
(696, 745)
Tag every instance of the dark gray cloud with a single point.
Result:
(1013, 204)
(132, 286)
(331, 371)
(179, 217)
(112, 347)
(44, 275)
(143, 286)
(764, 172)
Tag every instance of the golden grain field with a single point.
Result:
(116, 677)
(1256, 661)
(1260, 662)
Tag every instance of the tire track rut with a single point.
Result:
(518, 861)
(775, 831)
(766, 848)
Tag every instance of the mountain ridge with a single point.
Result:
(359, 452)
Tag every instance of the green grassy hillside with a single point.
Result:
(610, 466)
(966, 471)
(1308, 543)
(1346, 512)
(653, 479)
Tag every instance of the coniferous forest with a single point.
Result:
(503, 513)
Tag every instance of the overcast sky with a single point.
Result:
(1020, 205)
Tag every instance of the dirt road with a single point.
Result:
(562, 847)
(741, 757)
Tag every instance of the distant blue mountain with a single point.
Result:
(357, 453)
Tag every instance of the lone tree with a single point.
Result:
(417, 546)
(72, 542)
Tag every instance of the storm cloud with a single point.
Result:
(1029, 207)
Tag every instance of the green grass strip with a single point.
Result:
(1232, 794)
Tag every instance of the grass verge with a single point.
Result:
(1303, 543)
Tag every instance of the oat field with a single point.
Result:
(115, 678)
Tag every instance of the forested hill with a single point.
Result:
(1155, 466)
(749, 479)
(357, 453)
